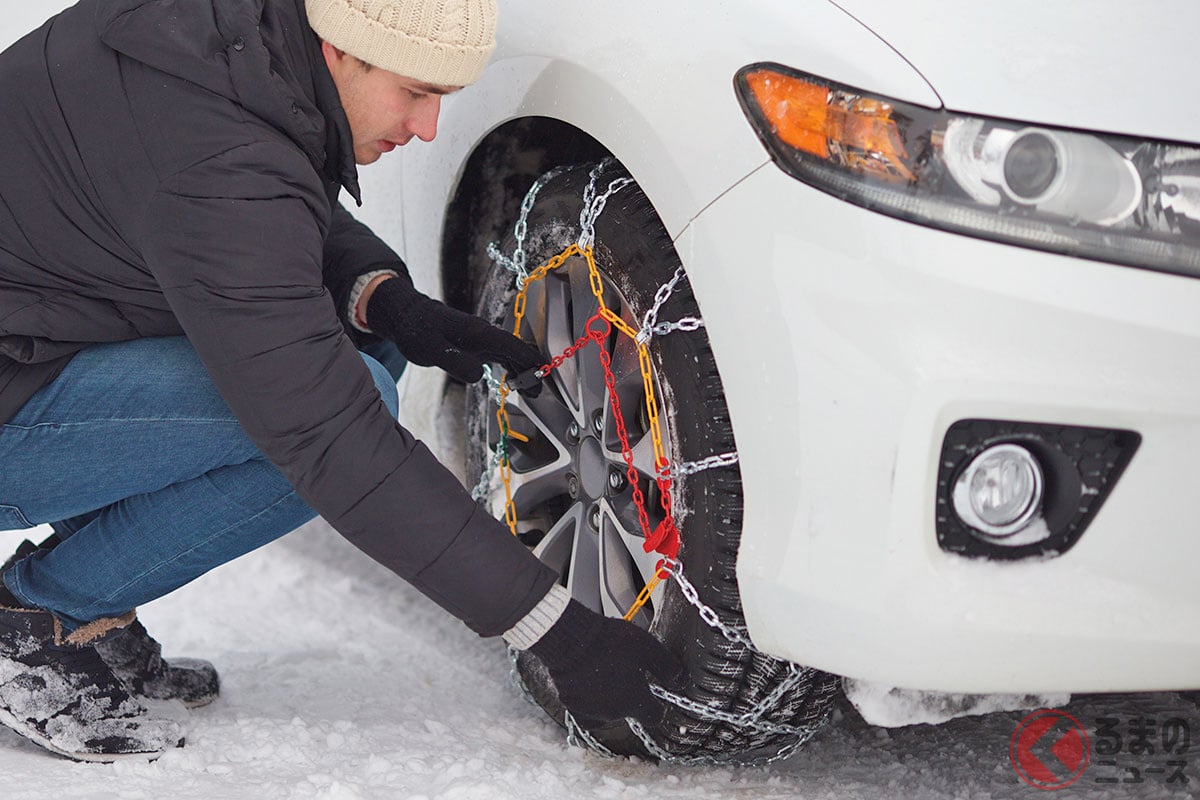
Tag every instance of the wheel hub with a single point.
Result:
(593, 468)
(569, 481)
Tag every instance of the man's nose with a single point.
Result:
(424, 122)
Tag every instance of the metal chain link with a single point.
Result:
(662, 755)
(660, 297)
(663, 328)
(736, 635)
(491, 381)
(712, 462)
(751, 720)
(516, 264)
(576, 734)
(493, 252)
(650, 324)
(514, 674)
(483, 487)
(593, 206)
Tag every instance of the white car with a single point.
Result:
(947, 258)
(937, 427)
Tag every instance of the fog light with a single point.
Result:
(1076, 469)
(1000, 491)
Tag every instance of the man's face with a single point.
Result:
(385, 110)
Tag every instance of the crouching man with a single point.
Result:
(182, 302)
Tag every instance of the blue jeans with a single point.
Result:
(138, 464)
(388, 354)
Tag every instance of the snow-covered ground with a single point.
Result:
(342, 682)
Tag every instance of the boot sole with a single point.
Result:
(23, 730)
(201, 703)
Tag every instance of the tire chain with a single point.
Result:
(516, 264)
(484, 486)
(650, 324)
(751, 721)
(593, 206)
(735, 634)
(692, 467)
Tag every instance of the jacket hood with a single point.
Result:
(260, 54)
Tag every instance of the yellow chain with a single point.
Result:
(643, 596)
(510, 508)
(537, 275)
(660, 458)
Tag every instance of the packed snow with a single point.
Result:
(341, 682)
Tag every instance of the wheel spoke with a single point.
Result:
(643, 457)
(647, 563)
(547, 413)
(559, 334)
(533, 488)
(557, 546)
(625, 566)
(537, 424)
(583, 578)
(625, 363)
(584, 304)
(592, 388)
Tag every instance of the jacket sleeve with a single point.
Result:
(352, 249)
(236, 245)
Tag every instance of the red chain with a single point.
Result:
(665, 536)
(589, 335)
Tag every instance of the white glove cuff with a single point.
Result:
(360, 286)
(533, 625)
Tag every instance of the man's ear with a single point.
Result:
(333, 56)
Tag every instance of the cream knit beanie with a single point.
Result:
(444, 42)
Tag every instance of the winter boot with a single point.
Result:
(135, 657)
(56, 691)
(27, 548)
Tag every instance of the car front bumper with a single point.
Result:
(848, 343)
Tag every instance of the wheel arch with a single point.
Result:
(529, 114)
(493, 182)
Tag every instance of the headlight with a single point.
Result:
(1111, 198)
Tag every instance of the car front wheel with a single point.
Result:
(574, 494)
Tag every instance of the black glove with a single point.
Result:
(433, 334)
(601, 667)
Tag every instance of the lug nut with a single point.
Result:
(594, 519)
(616, 480)
(598, 422)
(573, 486)
(573, 432)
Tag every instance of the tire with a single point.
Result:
(563, 484)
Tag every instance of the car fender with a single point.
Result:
(663, 104)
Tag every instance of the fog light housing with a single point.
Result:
(1000, 491)
(1037, 486)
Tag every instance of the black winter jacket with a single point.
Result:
(172, 166)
